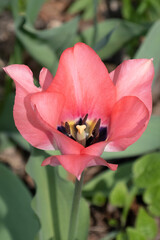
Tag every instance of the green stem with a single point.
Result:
(75, 209)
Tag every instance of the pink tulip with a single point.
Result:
(83, 110)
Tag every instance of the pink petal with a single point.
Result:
(128, 121)
(53, 161)
(49, 106)
(23, 76)
(134, 78)
(65, 144)
(84, 80)
(121, 144)
(96, 161)
(27, 124)
(45, 78)
(95, 149)
(75, 164)
(25, 119)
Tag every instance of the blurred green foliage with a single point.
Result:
(122, 32)
(17, 219)
(141, 11)
(4, 4)
(86, 7)
(140, 177)
(150, 47)
(145, 228)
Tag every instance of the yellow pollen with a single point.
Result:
(81, 129)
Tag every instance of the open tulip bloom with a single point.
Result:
(83, 110)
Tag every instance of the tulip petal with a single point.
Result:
(128, 121)
(25, 119)
(27, 124)
(96, 161)
(22, 75)
(52, 161)
(45, 78)
(84, 80)
(65, 144)
(134, 78)
(75, 164)
(95, 149)
(49, 106)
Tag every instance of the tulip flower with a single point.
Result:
(83, 110)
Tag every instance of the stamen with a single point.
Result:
(84, 119)
(62, 129)
(94, 136)
(79, 122)
(95, 131)
(85, 132)
(67, 127)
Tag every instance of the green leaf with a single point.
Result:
(53, 199)
(149, 141)
(150, 47)
(8, 127)
(146, 170)
(85, 6)
(78, 5)
(7, 113)
(33, 8)
(89, 12)
(4, 4)
(17, 220)
(36, 47)
(121, 236)
(133, 234)
(14, 8)
(4, 142)
(124, 32)
(146, 225)
(152, 198)
(99, 199)
(105, 181)
(58, 38)
(99, 45)
(46, 46)
(113, 222)
(129, 200)
(110, 236)
(127, 9)
(4, 232)
(121, 197)
(52, 32)
(118, 195)
(16, 57)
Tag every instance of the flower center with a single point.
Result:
(85, 132)
(81, 134)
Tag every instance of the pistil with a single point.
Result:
(81, 134)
